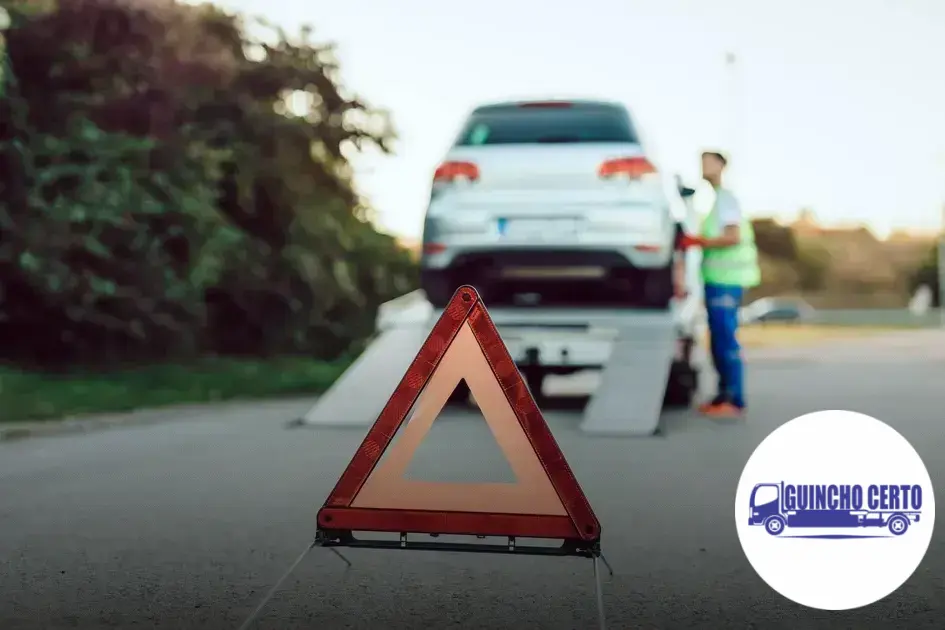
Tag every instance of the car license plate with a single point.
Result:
(554, 273)
(536, 229)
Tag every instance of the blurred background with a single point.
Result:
(198, 205)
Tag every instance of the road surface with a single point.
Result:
(185, 524)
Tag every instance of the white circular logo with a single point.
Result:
(835, 510)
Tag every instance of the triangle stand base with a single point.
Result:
(332, 539)
(567, 548)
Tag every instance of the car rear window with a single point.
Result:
(539, 125)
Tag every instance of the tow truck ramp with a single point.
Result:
(629, 399)
(359, 395)
(633, 349)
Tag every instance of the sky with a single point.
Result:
(833, 105)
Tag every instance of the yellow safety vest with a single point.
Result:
(730, 266)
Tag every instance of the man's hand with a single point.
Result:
(688, 241)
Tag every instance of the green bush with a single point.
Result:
(813, 264)
(927, 274)
(775, 241)
(160, 201)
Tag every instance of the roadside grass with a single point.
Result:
(28, 396)
(791, 335)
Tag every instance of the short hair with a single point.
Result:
(717, 155)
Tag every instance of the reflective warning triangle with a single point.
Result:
(546, 502)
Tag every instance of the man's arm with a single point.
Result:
(730, 216)
(731, 235)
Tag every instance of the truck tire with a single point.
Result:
(657, 289)
(774, 525)
(681, 387)
(460, 395)
(898, 525)
(437, 286)
(535, 380)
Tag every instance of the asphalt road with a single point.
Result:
(186, 524)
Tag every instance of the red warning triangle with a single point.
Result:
(547, 501)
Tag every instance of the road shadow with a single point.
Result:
(574, 402)
(680, 421)
(673, 420)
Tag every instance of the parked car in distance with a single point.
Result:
(770, 309)
(551, 203)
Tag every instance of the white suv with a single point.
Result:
(551, 203)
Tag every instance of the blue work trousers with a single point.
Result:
(722, 306)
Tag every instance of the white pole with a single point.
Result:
(941, 271)
(730, 115)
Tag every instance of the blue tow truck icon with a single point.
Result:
(777, 506)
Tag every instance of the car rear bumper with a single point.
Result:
(641, 233)
(644, 256)
(549, 277)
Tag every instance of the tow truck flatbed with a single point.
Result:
(648, 359)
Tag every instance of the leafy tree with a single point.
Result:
(927, 274)
(776, 241)
(813, 263)
(162, 199)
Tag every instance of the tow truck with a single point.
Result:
(648, 359)
(540, 205)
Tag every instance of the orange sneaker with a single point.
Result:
(709, 404)
(724, 410)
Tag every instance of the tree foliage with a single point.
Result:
(928, 274)
(161, 199)
(813, 263)
(777, 241)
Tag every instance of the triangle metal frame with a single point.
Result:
(337, 519)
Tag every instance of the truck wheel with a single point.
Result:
(681, 387)
(774, 525)
(534, 378)
(898, 525)
(460, 395)
(658, 288)
(437, 286)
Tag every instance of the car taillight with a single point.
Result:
(634, 168)
(451, 171)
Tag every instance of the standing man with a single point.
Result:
(729, 268)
